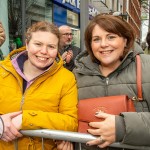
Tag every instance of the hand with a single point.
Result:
(10, 131)
(2, 34)
(69, 56)
(17, 121)
(104, 129)
(64, 145)
(64, 55)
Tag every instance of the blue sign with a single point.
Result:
(71, 4)
(74, 5)
(60, 15)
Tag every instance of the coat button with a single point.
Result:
(32, 113)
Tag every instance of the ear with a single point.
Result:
(125, 42)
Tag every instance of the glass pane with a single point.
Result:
(72, 18)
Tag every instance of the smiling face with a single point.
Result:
(107, 47)
(42, 49)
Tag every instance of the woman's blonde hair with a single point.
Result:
(42, 26)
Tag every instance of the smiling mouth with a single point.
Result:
(106, 52)
(41, 58)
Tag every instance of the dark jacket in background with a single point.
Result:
(76, 50)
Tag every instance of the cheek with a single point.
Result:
(31, 49)
(121, 47)
(53, 53)
(120, 44)
(95, 47)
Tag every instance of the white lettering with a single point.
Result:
(93, 12)
(78, 4)
(90, 11)
(64, 1)
(71, 2)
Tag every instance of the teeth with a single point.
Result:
(42, 58)
(106, 52)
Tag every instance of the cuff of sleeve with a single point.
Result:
(120, 128)
(1, 127)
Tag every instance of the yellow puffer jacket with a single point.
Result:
(49, 103)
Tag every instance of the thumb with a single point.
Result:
(14, 114)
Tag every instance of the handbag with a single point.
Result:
(87, 108)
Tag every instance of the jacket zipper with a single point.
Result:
(107, 82)
(22, 102)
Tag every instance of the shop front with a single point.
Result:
(67, 12)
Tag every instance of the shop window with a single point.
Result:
(35, 10)
(72, 18)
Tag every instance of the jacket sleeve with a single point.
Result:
(137, 128)
(64, 119)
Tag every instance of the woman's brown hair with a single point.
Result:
(110, 24)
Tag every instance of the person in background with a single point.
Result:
(147, 49)
(2, 39)
(107, 68)
(35, 94)
(67, 50)
(148, 39)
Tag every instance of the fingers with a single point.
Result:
(10, 131)
(10, 136)
(2, 39)
(94, 131)
(64, 55)
(60, 145)
(2, 34)
(68, 58)
(70, 52)
(104, 129)
(101, 114)
(100, 142)
(64, 145)
(14, 114)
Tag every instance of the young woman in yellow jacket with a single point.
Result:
(37, 92)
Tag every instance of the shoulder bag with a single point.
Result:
(110, 104)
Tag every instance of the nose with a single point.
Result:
(69, 36)
(44, 50)
(104, 42)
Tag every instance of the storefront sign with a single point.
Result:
(71, 4)
(75, 6)
(75, 3)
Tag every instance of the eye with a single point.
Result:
(51, 47)
(96, 40)
(110, 37)
(38, 44)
